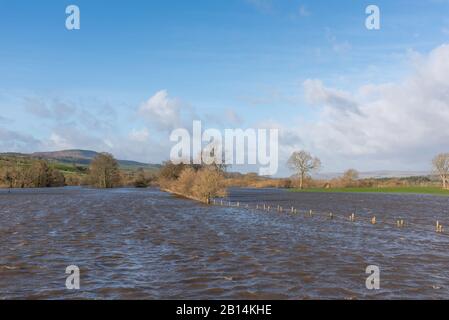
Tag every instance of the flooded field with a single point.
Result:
(145, 244)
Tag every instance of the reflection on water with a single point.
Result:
(145, 244)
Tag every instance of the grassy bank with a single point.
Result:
(412, 189)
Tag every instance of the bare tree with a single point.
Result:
(441, 167)
(104, 171)
(351, 175)
(303, 163)
(209, 183)
(171, 171)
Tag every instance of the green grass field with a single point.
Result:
(415, 190)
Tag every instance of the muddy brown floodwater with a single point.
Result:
(145, 244)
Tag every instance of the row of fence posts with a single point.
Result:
(400, 223)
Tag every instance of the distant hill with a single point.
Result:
(70, 156)
(376, 174)
(81, 157)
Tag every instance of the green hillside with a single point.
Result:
(68, 160)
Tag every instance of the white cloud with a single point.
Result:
(58, 142)
(401, 124)
(137, 145)
(163, 111)
(93, 123)
(12, 141)
(139, 135)
(340, 47)
(109, 143)
(64, 137)
(316, 93)
(92, 116)
(54, 109)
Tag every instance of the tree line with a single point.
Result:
(304, 164)
(200, 181)
(37, 175)
(103, 172)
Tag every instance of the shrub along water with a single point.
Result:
(199, 182)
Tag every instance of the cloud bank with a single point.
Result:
(398, 126)
(403, 123)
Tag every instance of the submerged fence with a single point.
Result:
(400, 223)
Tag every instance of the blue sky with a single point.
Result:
(233, 63)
